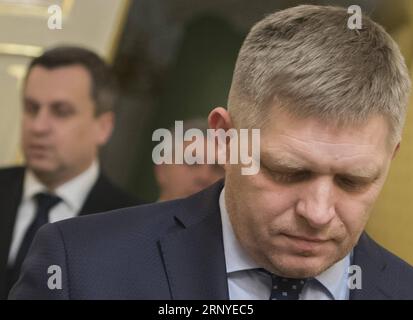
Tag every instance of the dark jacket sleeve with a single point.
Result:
(44, 271)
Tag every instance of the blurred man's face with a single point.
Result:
(60, 132)
(181, 180)
(308, 205)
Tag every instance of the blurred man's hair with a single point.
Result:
(103, 83)
(308, 63)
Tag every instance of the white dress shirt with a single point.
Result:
(73, 194)
(245, 282)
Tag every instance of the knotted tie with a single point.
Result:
(285, 288)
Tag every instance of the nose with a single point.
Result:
(316, 205)
(40, 122)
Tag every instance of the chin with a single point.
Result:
(301, 267)
(41, 166)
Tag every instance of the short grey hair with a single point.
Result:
(307, 61)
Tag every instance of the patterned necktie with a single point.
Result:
(45, 202)
(285, 288)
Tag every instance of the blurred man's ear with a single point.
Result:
(105, 125)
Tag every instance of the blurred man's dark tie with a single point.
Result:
(44, 203)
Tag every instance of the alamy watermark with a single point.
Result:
(193, 147)
(55, 21)
(354, 280)
(355, 21)
(54, 281)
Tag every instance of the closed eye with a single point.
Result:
(291, 177)
(352, 184)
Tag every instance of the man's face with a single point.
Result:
(60, 133)
(310, 201)
(182, 180)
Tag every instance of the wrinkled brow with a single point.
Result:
(284, 162)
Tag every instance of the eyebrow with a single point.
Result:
(282, 162)
(363, 174)
(285, 163)
(55, 102)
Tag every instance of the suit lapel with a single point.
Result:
(101, 198)
(367, 256)
(92, 203)
(104, 196)
(194, 256)
(11, 189)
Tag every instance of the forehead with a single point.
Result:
(311, 142)
(58, 83)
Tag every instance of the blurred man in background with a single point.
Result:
(181, 180)
(68, 100)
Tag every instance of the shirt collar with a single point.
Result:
(31, 186)
(73, 193)
(237, 259)
(334, 277)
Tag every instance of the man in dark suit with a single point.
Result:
(170, 250)
(68, 101)
(330, 102)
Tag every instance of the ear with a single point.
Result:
(219, 118)
(396, 150)
(105, 125)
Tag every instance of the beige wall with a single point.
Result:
(10, 70)
(391, 223)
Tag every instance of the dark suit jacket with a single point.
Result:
(103, 196)
(170, 250)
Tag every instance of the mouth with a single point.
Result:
(305, 238)
(305, 243)
(37, 146)
(37, 149)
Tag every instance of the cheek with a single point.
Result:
(262, 205)
(355, 212)
(25, 128)
(268, 198)
(73, 140)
